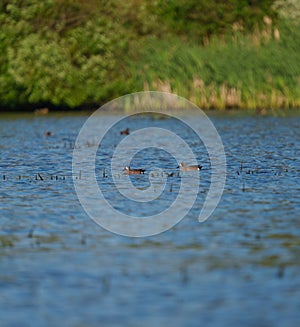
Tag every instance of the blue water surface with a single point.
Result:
(241, 267)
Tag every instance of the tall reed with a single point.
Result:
(255, 71)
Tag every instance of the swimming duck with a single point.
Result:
(183, 167)
(125, 132)
(130, 171)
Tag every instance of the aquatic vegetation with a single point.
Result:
(254, 71)
(7, 240)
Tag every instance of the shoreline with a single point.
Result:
(275, 112)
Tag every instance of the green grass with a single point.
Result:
(254, 71)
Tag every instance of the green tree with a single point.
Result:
(59, 52)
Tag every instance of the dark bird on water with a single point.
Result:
(130, 171)
(125, 132)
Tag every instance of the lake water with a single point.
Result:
(241, 267)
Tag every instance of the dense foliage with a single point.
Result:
(58, 52)
(70, 53)
(204, 18)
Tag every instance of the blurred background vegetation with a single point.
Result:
(68, 54)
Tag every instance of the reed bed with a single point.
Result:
(260, 71)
